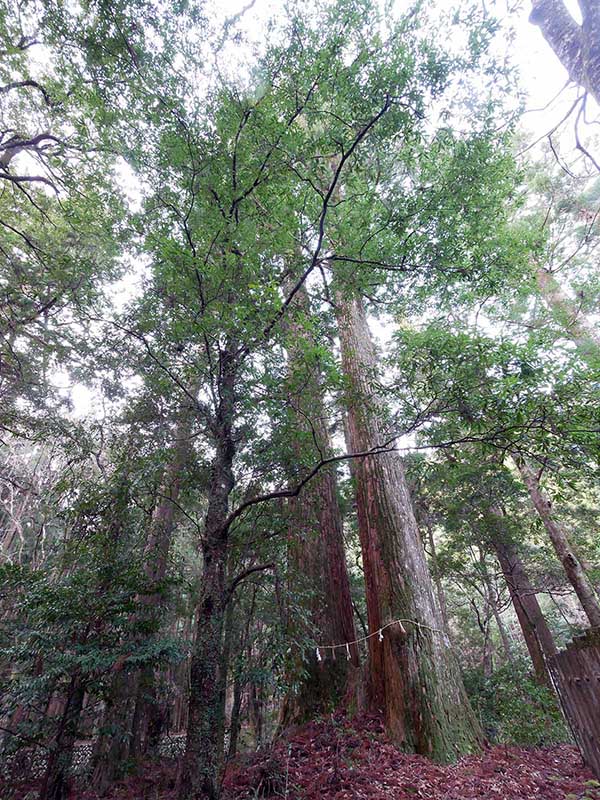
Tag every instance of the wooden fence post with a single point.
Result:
(576, 674)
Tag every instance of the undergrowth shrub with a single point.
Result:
(514, 709)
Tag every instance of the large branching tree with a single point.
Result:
(275, 207)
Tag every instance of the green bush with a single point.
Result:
(514, 709)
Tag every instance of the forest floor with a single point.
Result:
(350, 759)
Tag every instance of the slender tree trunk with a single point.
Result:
(181, 681)
(24, 715)
(437, 578)
(414, 675)
(199, 776)
(156, 554)
(316, 539)
(560, 541)
(200, 762)
(537, 635)
(223, 676)
(483, 623)
(255, 713)
(242, 645)
(160, 534)
(492, 599)
(235, 719)
(56, 780)
(14, 528)
(138, 718)
(488, 649)
(588, 342)
(112, 747)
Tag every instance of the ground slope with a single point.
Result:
(350, 759)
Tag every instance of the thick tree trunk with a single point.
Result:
(316, 540)
(560, 541)
(577, 47)
(200, 766)
(413, 673)
(537, 635)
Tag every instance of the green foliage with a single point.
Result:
(330, 164)
(84, 616)
(514, 709)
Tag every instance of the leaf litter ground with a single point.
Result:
(351, 759)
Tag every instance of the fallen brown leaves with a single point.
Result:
(351, 759)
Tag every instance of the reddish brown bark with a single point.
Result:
(413, 673)
(316, 539)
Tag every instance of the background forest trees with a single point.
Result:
(339, 343)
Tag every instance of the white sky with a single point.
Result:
(542, 74)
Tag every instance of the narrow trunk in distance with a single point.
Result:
(537, 634)
(493, 601)
(55, 785)
(562, 547)
(228, 632)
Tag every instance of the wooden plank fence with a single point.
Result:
(576, 674)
